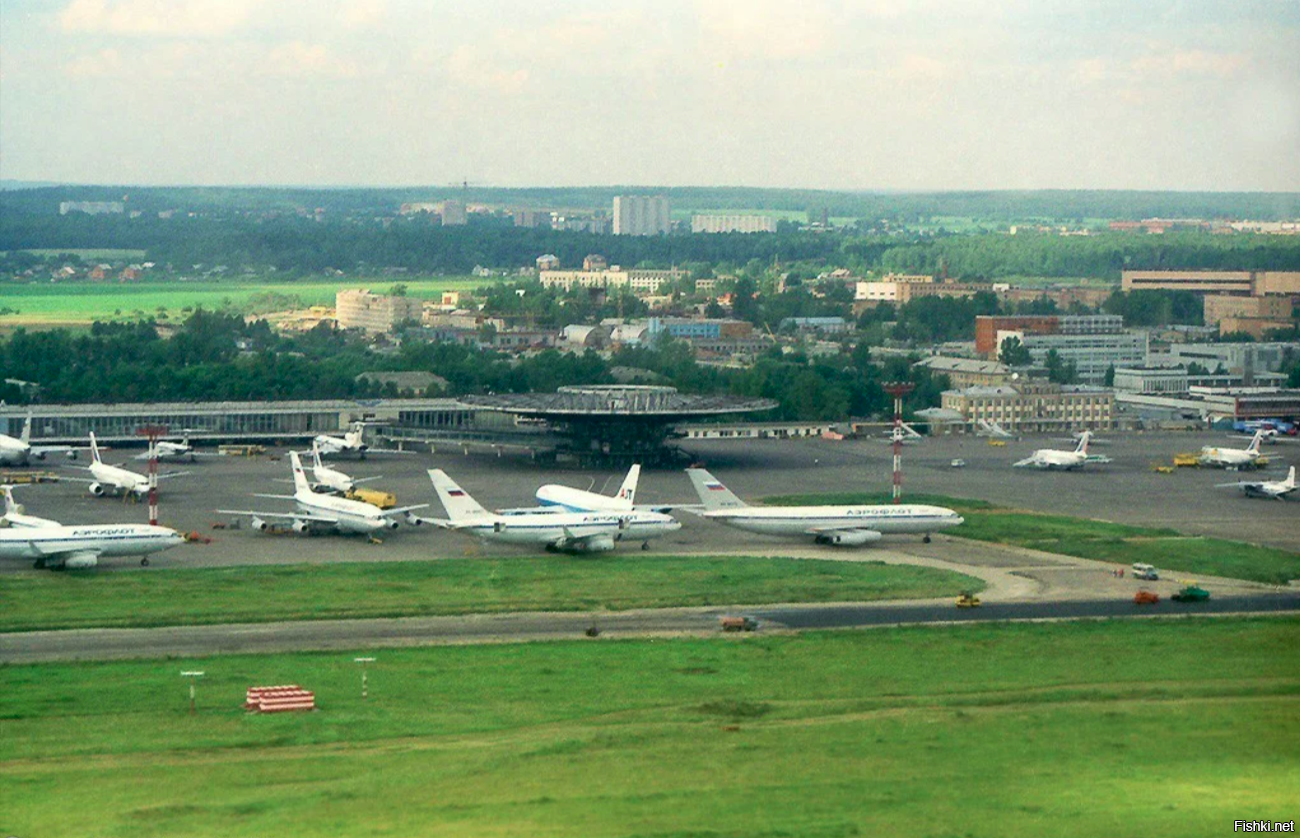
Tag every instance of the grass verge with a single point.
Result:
(1079, 729)
(453, 586)
(1101, 540)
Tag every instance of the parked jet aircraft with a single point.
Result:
(845, 526)
(316, 509)
(332, 479)
(20, 452)
(1050, 458)
(1275, 489)
(554, 497)
(54, 545)
(992, 430)
(109, 479)
(1234, 458)
(567, 532)
(167, 449)
(350, 443)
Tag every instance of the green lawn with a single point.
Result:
(85, 302)
(1117, 728)
(1089, 539)
(43, 600)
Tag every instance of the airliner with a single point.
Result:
(332, 479)
(350, 443)
(318, 510)
(1274, 489)
(841, 526)
(1234, 458)
(556, 498)
(558, 531)
(1051, 458)
(53, 545)
(20, 451)
(992, 430)
(109, 479)
(166, 449)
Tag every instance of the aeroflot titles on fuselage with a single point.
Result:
(99, 532)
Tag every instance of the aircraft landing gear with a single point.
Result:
(144, 562)
(926, 539)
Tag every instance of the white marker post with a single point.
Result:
(363, 662)
(193, 675)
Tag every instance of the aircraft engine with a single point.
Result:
(97, 490)
(392, 523)
(39, 455)
(848, 538)
(258, 524)
(80, 562)
(597, 544)
(413, 520)
(300, 526)
(499, 526)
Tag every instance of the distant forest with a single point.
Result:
(999, 206)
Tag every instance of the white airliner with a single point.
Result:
(567, 532)
(1051, 458)
(992, 430)
(20, 452)
(113, 480)
(316, 509)
(54, 545)
(1275, 489)
(332, 479)
(167, 449)
(556, 498)
(845, 526)
(350, 443)
(1233, 458)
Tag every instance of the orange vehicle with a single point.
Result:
(1146, 598)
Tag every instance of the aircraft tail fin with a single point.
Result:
(1082, 447)
(315, 455)
(26, 436)
(300, 484)
(94, 449)
(711, 491)
(455, 500)
(1290, 478)
(627, 492)
(1253, 448)
(12, 507)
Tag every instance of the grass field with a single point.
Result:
(1119, 728)
(1088, 539)
(83, 302)
(106, 254)
(456, 586)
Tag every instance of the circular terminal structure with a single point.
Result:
(617, 423)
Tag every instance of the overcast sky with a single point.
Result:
(879, 94)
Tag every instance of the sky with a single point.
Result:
(827, 94)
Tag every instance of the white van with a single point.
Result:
(1144, 571)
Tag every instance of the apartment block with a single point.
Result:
(375, 313)
(732, 224)
(641, 215)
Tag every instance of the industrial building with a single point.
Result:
(1034, 406)
(641, 282)
(1233, 283)
(641, 215)
(732, 224)
(357, 308)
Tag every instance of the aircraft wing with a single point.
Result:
(388, 513)
(1027, 462)
(367, 479)
(1240, 484)
(174, 474)
(370, 451)
(78, 557)
(287, 516)
(445, 523)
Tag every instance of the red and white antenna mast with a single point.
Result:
(154, 433)
(898, 389)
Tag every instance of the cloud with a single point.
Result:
(296, 58)
(362, 14)
(1193, 62)
(763, 29)
(156, 18)
(467, 66)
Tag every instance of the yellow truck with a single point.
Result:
(374, 497)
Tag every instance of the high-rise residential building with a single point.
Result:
(640, 215)
(453, 213)
(357, 308)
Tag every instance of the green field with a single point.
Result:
(42, 600)
(1115, 728)
(84, 302)
(105, 254)
(1101, 540)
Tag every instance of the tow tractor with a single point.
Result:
(968, 599)
(1192, 593)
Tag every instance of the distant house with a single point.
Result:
(548, 262)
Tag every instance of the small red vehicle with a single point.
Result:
(1145, 598)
